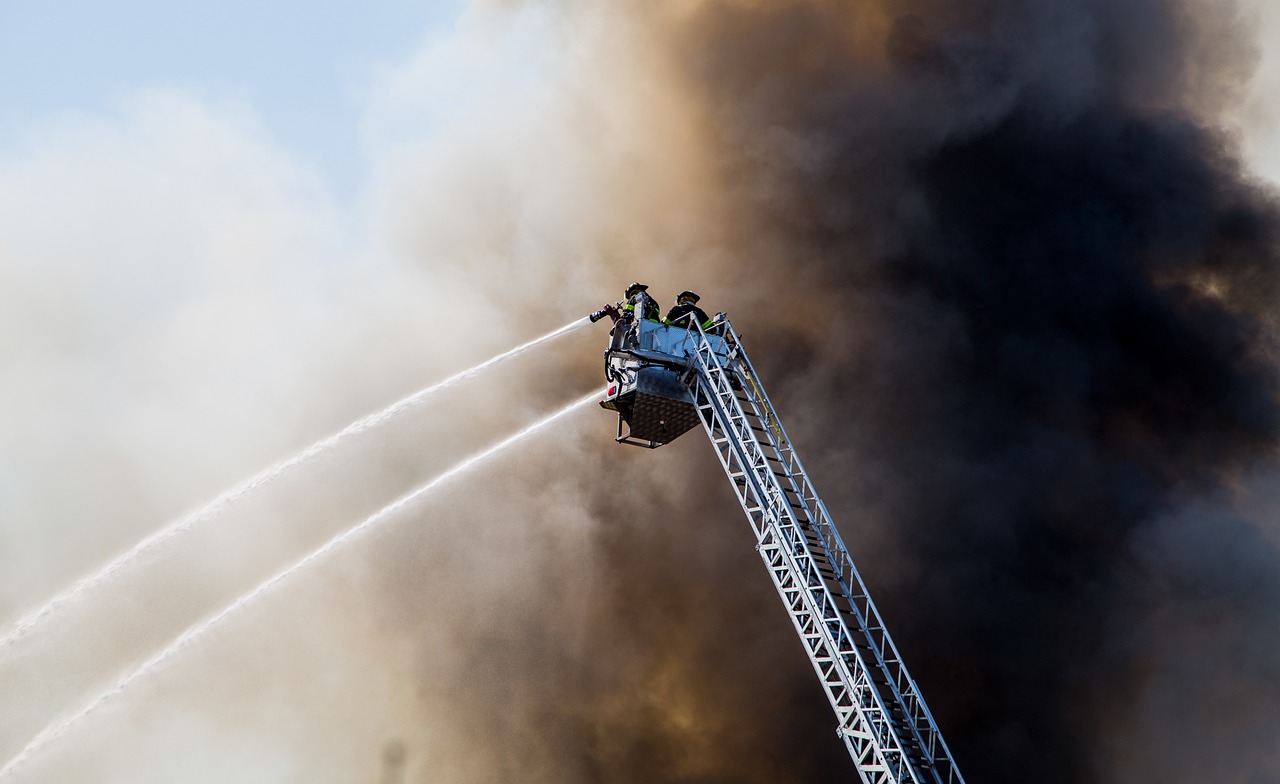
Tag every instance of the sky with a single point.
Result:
(305, 71)
(227, 230)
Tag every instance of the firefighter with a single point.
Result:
(640, 304)
(686, 312)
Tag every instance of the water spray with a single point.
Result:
(190, 636)
(226, 499)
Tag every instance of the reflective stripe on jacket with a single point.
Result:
(649, 308)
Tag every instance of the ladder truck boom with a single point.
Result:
(664, 380)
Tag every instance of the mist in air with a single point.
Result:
(1003, 267)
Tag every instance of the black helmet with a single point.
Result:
(634, 287)
(687, 295)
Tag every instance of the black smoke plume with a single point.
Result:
(1055, 270)
(1005, 276)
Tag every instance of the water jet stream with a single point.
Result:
(52, 732)
(217, 505)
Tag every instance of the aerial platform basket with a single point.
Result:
(651, 373)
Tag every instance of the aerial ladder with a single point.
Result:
(663, 379)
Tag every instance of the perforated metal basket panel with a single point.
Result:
(661, 419)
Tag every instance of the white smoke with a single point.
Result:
(1261, 116)
(185, 302)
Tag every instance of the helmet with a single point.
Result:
(689, 296)
(634, 287)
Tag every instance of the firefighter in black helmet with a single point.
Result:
(686, 312)
(640, 304)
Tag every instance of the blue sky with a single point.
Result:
(303, 68)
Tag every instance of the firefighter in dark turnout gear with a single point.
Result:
(686, 312)
(640, 304)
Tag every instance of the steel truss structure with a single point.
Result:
(881, 716)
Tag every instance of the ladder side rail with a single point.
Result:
(919, 717)
(905, 692)
(799, 537)
(803, 489)
(916, 717)
(865, 745)
(871, 709)
(902, 690)
(848, 575)
(806, 491)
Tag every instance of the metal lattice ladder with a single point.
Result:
(881, 715)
